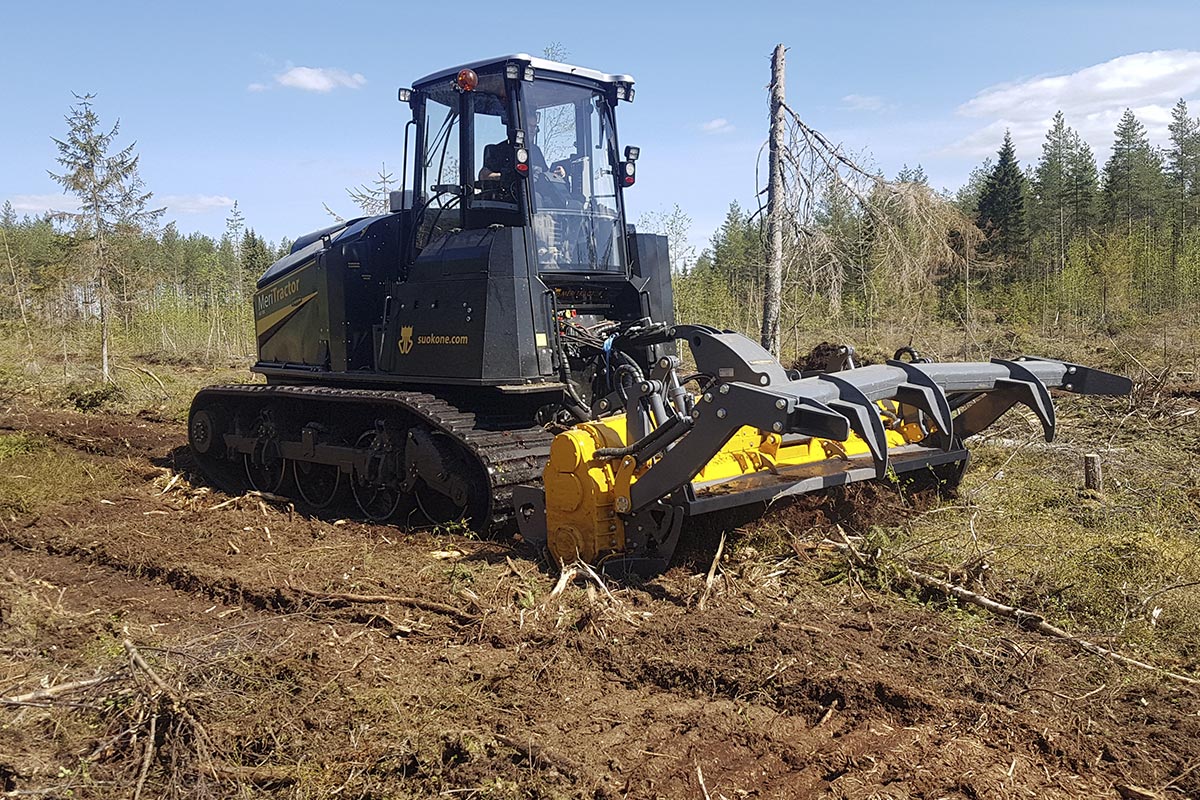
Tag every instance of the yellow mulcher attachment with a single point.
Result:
(616, 490)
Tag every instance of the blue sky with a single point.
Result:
(281, 106)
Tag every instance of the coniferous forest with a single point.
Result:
(1048, 239)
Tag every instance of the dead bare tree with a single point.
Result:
(776, 190)
(832, 219)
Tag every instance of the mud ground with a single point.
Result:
(316, 656)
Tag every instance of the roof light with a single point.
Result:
(512, 71)
(620, 91)
(632, 153)
(467, 80)
(404, 95)
(528, 74)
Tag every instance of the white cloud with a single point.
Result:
(37, 204)
(718, 125)
(863, 102)
(257, 87)
(319, 79)
(192, 203)
(41, 203)
(1092, 99)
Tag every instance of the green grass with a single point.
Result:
(145, 378)
(1116, 566)
(14, 445)
(35, 475)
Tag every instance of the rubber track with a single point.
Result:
(510, 456)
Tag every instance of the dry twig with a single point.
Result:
(712, 573)
(202, 737)
(147, 757)
(703, 788)
(43, 696)
(564, 579)
(1029, 619)
(415, 602)
(1026, 619)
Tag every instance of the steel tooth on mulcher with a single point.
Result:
(1023, 387)
(1086, 380)
(864, 419)
(924, 394)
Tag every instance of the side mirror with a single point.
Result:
(399, 200)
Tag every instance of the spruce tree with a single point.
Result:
(1133, 177)
(112, 200)
(256, 256)
(375, 197)
(1001, 214)
(1083, 183)
(912, 175)
(1063, 190)
(1183, 166)
(1048, 213)
(235, 228)
(966, 199)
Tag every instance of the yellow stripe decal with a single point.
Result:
(265, 324)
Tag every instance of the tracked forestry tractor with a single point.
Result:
(500, 348)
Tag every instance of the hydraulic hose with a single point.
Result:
(672, 430)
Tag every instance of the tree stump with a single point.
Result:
(1093, 476)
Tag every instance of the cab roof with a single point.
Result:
(533, 61)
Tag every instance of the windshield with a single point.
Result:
(572, 154)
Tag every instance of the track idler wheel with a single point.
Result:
(205, 431)
(266, 468)
(317, 484)
(437, 475)
(206, 435)
(379, 490)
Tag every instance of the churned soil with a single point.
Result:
(322, 656)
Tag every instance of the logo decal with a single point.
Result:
(406, 340)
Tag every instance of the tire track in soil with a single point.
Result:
(79, 532)
(636, 709)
